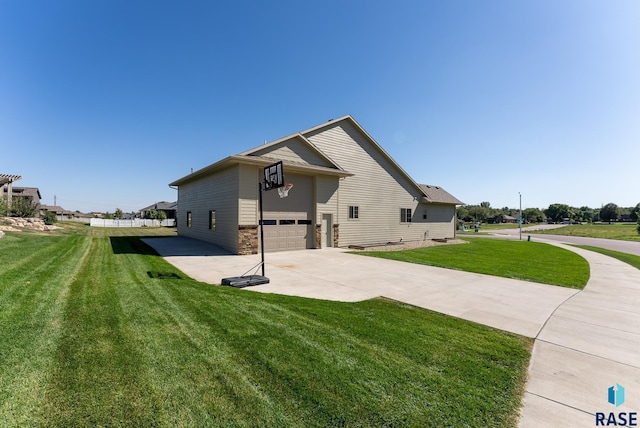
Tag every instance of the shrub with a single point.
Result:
(23, 207)
(3, 206)
(49, 218)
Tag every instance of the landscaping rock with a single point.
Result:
(1, 234)
(24, 223)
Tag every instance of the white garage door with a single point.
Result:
(287, 221)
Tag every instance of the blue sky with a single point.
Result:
(103, 103)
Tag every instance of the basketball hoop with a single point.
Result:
(283, 191)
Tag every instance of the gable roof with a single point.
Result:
(432, 194)
(164, 205)
(436, 194)
(260, 156)
(265, 149)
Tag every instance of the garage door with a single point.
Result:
(287, 221)
(286, 231)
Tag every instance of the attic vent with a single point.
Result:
(437, 187)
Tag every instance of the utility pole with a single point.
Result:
(520, 195)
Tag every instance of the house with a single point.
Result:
(501, 218)
(63, 214)
(346, 191)
(31, 194)
(55, 209)
(169, 209)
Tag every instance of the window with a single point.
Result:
(212, 220)
(188, 218)
(353, 211)
(304, 221)
(286, 222)
(424, 214)
(269, 222)
(405, 215)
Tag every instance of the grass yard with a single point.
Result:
(627, 231)
(529, 261)
(97, 330)
(631, 259)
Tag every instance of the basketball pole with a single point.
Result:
(261, 227)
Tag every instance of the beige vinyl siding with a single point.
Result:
(441, 220)
(218, 192)
(377, 188)
(250, 175)
(326, 197)
(294, 150)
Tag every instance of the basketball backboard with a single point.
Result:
(273, 176)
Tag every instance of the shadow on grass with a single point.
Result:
(131, 245)
(163, 275)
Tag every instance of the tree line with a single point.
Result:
(554, 213)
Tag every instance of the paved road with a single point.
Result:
(630, 247)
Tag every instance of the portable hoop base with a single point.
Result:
(245, 281)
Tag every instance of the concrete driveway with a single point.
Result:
(586, 341)
(333, 274)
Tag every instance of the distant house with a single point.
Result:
(501, 219)
(58, 211)
(29, 193)
(63, 214)
(347, 191)
(169, 209)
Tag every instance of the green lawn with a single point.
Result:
(97, 330)
(627, 231)
(529, 261)
(631, 259)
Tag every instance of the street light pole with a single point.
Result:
(519, 194)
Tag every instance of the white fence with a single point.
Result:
(76, 219)
(138, 222)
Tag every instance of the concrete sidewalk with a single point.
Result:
(332, 274)
(591, 342)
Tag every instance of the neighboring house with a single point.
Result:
(347, 191)
(63, 214)
(29, 193)
(169, 209)
(57, 210)
(504, 218)
(509, 219)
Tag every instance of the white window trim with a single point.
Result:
(354, 212)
